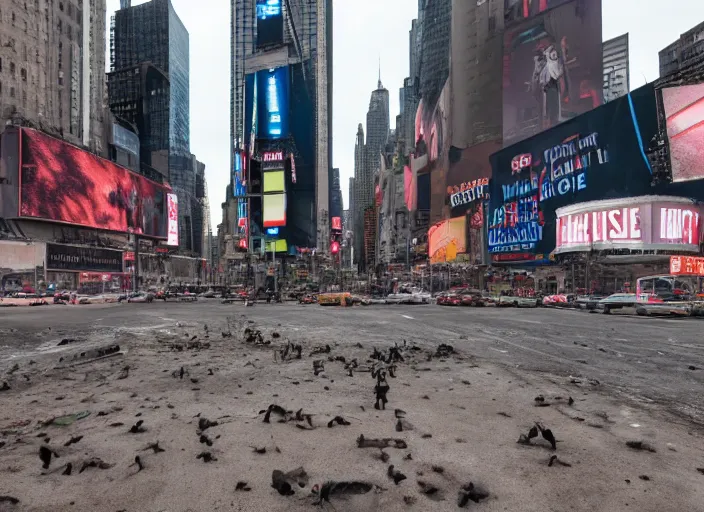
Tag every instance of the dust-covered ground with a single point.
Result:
(463, 412)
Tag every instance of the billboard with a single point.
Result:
(62, 183)
(274, 181)
(651, 223)
(684, 114)
(239, 175)
(272, 106)
(519, 10)
(598, 155)
(468, 177)
(686, 266)
(552, 69)
(73, 258)
(274, 206)
(172, 226)
(447, 239)
(616, 67)
(270, 23)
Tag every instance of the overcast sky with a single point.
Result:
(364, 32)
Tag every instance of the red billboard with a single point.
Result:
(517, 10)
(684, 113)
(552, 69)
(686, 266)
(62, 183)
(448, 239)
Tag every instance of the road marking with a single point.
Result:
(497, 350)
(409, 317)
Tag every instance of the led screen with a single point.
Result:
(684, 112)
(277, 246)
(274, 181)
(172, 207)
(270, 23)
(239, 177)
(447, 239)
(517, 10)
(272, 94)
(272, 231)
(552, 69)
(62, 183)
(274, 210)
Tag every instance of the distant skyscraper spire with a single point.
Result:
(379, 85)
(125, 4)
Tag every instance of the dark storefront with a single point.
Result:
(72, 267)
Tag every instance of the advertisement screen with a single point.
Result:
(336, 224)
(270, 22)
(640, 223)
(596, 156)
(684, 113)
(239, 177)
(552, 69)
(274, 181)
(686, 266)
(277, 246)
(172, 208)
(272, 94)
(62, 183)
(518, 10)
(447, 239)
(274, 210)
(73, 258)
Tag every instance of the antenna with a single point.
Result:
(379, 86)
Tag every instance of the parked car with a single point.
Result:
(472, 298)
(617, 301)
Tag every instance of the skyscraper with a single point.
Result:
(150, 38)
(294, 40)
(355, 205)
(53, 69)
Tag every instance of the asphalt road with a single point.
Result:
(643, 359)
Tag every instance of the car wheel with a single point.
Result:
(607, 310)
(641, 312)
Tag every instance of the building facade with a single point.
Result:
(686, 52)
(52, 68)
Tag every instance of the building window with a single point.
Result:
(12, 68)
(68, 31)
(12, 92)
(0, 63)
(58, 26)
(23, 74)
(492, 24)
(24, 99)
(13, 19)
(61, 6)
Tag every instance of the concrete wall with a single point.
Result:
(21, 263)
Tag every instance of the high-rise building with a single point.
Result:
(377, 137)
(52, 68)
(686, 52)
(151, 40)
(293, 39)
(358, 210)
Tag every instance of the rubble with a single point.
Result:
(340, 489)
(395, 475)
(641, 445)
(363, 442)
(471, 492)
(95, 462)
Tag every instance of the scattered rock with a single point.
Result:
(341, 489)
(5, 387)
(363, 442)
(644, 477)
(259, 450)
(137, 428)
(395, 475)
(471, 492)
(438, 469)
(124, 373)
(138, 462)
(282, 481)
(95, 462)
(154, 447)
(427, 436)
(69, 468)
(427, 488)
(553, 459)
(242, 486)
(547, 435)
(444, 350)
(204, 424)
(206, 456)
(691, 367)
(9, 499)
(45, 454)
(339, 420)
(640, 445)
(73, 440)
(701, 470)
(205, 440)
(409, 500)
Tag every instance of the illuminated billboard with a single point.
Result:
(274, 181)
(62, 183)
(552, 69)
(684, 113)
(270, 23)
(272, 115)
(650, 222)
(447, 239)
(172, 222)
(277, 246)
(239, 176)
(274, 206)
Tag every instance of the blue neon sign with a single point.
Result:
(268, 8)
(273, 103)
(272, 231)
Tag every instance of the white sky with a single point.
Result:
(364, 31)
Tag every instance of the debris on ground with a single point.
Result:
(137, 428)
(45, 454)
(69, 419)
(341, 489)
(320, 349)
(5, 387)
(444, 350)
(261, 450)
(382, 387)
(363, 442)
(282, 482)
(318, 367)
(138, 463)
(290, 351)
(471, 492)
(206, 456)
(641, 445)
(204, 424)
(254, 336)
(547, 435)
(339, 420)
(427, 488)
(276, 409)
(73, 440)
(9, 499)
(67, 471)
(95, 462)
(205, 440)
(395, 475)
(154, 447)
(242, 486)
(645, 478)
(525, 438)
(124, 373)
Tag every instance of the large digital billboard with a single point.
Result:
(447, 239)
(552, 69)
(598, 155)
(270, 23)
(274, 210)
(239, 175)
(62, 183)
(684, 113)
(272, 104)
(172, 222)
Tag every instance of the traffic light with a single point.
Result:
(334, 247)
